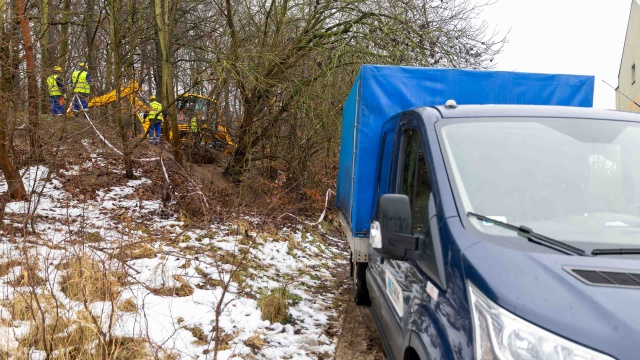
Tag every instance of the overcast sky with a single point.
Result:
(563, 36)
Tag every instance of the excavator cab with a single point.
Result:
(199, 125)
(194, 110)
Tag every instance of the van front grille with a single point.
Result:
(606, 277)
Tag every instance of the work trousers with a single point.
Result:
(80, 99)
(155, 132)
(56, 106)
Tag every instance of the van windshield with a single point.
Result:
(576, 180)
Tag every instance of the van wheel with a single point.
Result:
(360, 291)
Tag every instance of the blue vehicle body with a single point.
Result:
(421, 301)
(382, 91)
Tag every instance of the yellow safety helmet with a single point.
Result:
(57, 68)
(152, 97)
(83, 65)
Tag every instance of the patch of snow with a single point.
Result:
(167, 321)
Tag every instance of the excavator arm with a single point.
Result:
(127, 90)
(218, 133)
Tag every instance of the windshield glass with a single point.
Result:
(575, 180)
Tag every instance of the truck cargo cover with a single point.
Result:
(380, 92)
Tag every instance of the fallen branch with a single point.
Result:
(326, 201)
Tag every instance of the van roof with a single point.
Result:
(475, 111)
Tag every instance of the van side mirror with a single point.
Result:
(391, 230)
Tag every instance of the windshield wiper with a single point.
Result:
(614, 251)
(532, 236)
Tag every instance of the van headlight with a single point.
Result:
(498, 334)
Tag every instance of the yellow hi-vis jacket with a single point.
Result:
(193, 124)
(155, 113)
(52, 84)
(80, 83)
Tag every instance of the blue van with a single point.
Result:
(494, 231)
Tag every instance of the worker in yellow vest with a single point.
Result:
(195, 129)
(154, 116)
(81, 85)
(55, 85)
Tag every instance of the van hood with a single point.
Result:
(545, 290)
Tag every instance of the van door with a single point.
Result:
(385, 178)
(399, 282)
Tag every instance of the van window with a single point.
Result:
(577, 180)
(415, 179)
(415, 182)
(384, 174)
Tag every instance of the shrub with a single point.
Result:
(274, 305)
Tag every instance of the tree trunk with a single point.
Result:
(64, 33)
(237, 164)
(91, 27)
(15, 185)
(16, 189)
(47, 55)
(165, 20)
(117, 37)
(157, 64)
(32, 82)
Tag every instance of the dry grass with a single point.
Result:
(184, 289)
(125, 348)
(72, 339)
(242, 228)
(292, 244)
(49, 330)
(274, 305)
(24, 306)
(128, 305)
(136, 251)
(82, 343)
(224, 341)
(6, 267)
(255, 342)
(51, 335)
(143, 252)
(207, 281)
(28, 276)
(93, 237)
(197, 332)
(86, 280)
(79, 341)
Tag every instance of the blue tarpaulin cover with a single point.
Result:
(380, 92)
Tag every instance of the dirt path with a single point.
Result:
(358, 338)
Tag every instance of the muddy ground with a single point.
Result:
(358, 338)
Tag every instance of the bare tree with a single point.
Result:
(279, 49)
(165, 11)
(279, 69)
(8, 64)
(32, 82)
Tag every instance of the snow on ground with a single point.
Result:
(176, 276)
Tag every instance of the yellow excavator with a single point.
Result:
(198, 117)
(199, 123)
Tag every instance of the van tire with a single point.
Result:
(360, 291)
